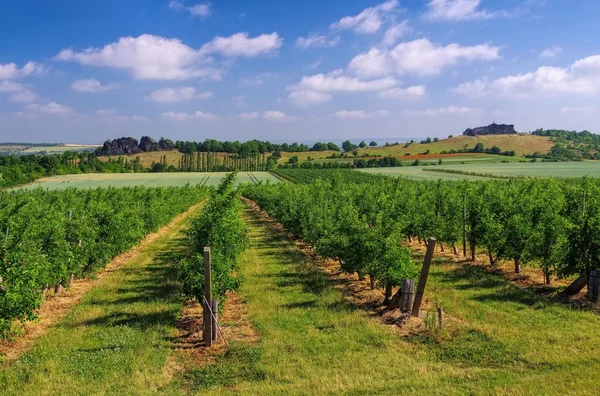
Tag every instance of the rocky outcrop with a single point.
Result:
(122, 146)
(493, 129)
(129, 146)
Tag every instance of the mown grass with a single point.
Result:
(117, 340)
(312, 341)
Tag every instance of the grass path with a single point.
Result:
(118, 339)
(314, 342)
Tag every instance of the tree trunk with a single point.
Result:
(517, 265)
(593, 286)
(419, 239)
(455, 250)
(409, 239)
(492, 261)
(473, 254)
(58, 289)
(71, 279)
(372, 282)
(388, 294)
(547, 276)
(442, 247)
(45, 290)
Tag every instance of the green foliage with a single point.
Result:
(221, 228)
(49, 235)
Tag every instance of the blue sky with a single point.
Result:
(82, 71)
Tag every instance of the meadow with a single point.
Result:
(169, 179)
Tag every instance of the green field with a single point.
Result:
(537, 169)
(94, 180)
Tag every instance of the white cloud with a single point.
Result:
(112, 115)
(274, 115)
(415, 92)
(240, 44)
(10, 71)
(359, 114)
(394, 32)
(259, 79)
(307, 98)
(147, 57)
(451, 110)
(420, 57)
(582, 77)
(551, 52)
(176, 116)
(249, 116)
(49, 108)
(92, 85)
(580, 110)
(182, 116)
(369, 21)
(174, 95)
(336, 81)
(26, 96)
(315, 40)
(199, 10)
(458, 10)
(11, 87)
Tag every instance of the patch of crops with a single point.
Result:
(310, 175)
(50, 237)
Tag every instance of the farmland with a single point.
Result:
(169, 179)
(527, 169)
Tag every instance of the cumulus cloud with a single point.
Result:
(174, 95)
(198, 10)
(92, 85)
(421, 57)
(51, 108)
(249, 116)
(182, 116)
(26, 96)
(410, 93)
(551, 52)
(315, 40)
(337, 81)
(581, 77)
(274, 115)
(11, 71)
(147, 57)
(450, 110)
(359, 114)
(394, 32)
(370, 20)
(458, 10)
(240, 44)
(256, 80)
(106, 112)
(305, 98)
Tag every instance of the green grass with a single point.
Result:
(168, 179)
(117, 340)
(313, 341)
(533, 169)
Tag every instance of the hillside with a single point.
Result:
(521, 144)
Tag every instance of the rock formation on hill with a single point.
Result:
(129, 146)
(493, 129)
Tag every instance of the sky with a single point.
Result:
(84, 71)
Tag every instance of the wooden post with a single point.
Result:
(440, 317)
(577, 285)
(215, 318)
(423, 277)
(593, 286)
(207, 318)
(407, 294)
(464, 225)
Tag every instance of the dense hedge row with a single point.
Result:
(49, 236)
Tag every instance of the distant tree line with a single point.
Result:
(249, 147)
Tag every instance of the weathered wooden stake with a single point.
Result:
(464, 225)
(577, 285)
(407, 294)
(215, 318)
(423, 277)
(207, 318)
(440, 317)
(593, 286)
